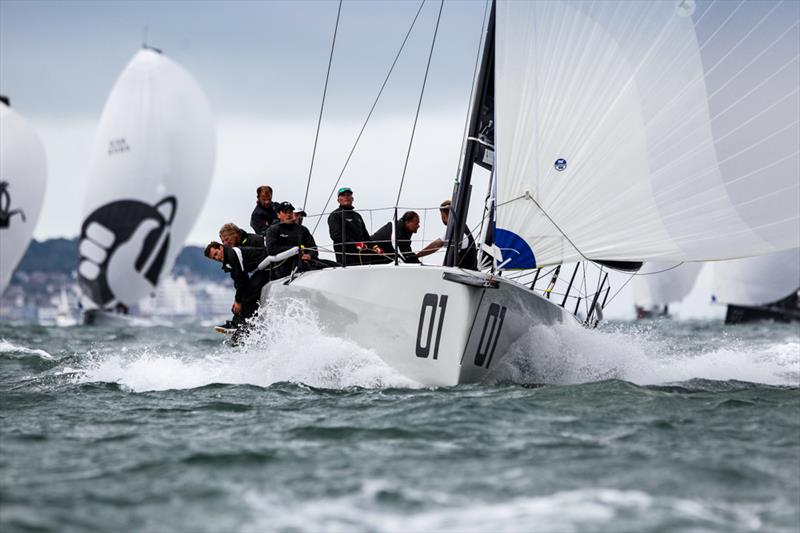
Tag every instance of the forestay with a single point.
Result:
(23, 174)
(151, 170)
(647, 131)
(658, 284)
(758, 280)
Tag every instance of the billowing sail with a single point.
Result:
(151, 170)
(647, 131)
(757, 280)
(23, 173)
(659, 284)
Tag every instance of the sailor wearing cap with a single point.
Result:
(347, 229)
(299, 216)
(286, 235)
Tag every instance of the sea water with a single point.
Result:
(652, 426)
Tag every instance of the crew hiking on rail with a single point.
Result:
(278, 228)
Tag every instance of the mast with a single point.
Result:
(479, 143)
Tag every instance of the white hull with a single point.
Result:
(436, 325)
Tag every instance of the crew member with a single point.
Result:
(347, 230)
(264, 212)
(286, 235)
(299, 216)
(239, 262)
(232, 235)
(467, 250)
(407, 225)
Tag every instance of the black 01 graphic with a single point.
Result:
(431, 301)
(495, 318)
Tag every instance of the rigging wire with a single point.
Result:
(419, 103)
(322, 105)
(369, 115)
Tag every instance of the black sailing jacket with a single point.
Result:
(239, 261)
(383, 238)
(263, 217)
(283, 236)
(346, 226)
(251, 239)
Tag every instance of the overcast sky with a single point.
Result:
(262, 65)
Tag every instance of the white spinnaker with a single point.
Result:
(23, 173)
(678, 124)
(150, 174)
(658, 284)
(757, 280)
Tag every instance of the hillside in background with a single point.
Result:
(60, 256)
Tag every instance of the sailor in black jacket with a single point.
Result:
(407, 225)
(239, 262)
(232, 235)
(286, 235)
(347, 229)
(264, 213)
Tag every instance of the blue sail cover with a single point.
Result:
(515, 250)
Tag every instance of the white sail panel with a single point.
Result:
(659, 284)
(648, 131)
(151, 169)
(757, 280)
(23, 175)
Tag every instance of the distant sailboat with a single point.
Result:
(760, 288)
(617, 132)
(151, 169)
(657, 285)
(23, 176)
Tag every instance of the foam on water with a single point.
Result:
(570, 354)
(286, 346)
(13, 349)
(568, 510)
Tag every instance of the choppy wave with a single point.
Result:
(11, 349)
(286, 346)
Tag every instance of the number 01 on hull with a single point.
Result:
(436, 325)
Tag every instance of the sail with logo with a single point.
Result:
(23, 176)
(151, 169)
(760, 288)
(646, 131)
(657, 285)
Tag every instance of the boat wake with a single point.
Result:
(570, 354)
(287, 344)
(284, 346)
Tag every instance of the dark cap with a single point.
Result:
(345, 190)
(283, 207)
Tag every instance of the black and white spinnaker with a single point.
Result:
(151, 168)
(23, 176)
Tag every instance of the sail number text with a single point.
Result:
(488, 343)
(425, 335)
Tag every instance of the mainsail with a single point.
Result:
(152, 165)
(758, 280)
(660, 284)
(646, 131)
(23, 174)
